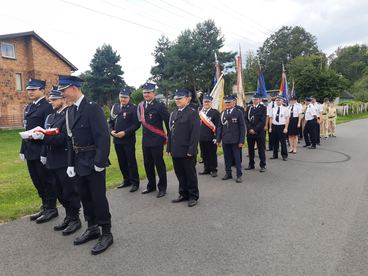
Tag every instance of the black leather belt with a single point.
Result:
(78, 149)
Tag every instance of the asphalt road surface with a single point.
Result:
(306, 216)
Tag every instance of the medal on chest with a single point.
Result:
(124, 115)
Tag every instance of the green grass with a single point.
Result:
(18, 197)
(344, 119)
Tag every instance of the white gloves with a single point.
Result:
(98, 169)
(43, 160)
(37, 135)
(22, 157)
(214, 141)
(70, 171)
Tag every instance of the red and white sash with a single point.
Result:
(148, 126)
(207, 121)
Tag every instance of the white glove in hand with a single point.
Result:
(98, 169)
(214, 141)
(43, 160)
(37, 136)
(22, 157)
(70, 171)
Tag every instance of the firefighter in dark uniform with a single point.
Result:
(255, 120)
(153, 115)
(56, 154)
(240, 108)
(89, 148)
(231, 132)
(34, 116)
(183, 147)
(210, 119)
(123, 125)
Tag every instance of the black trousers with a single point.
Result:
(310, 130)
(279, 137)
(92, 192)
(153, 157)
(209, 155)
(185, 170)
(270, 140)
(318, 133)
(231, 154)
(260, 139)
(128, 163)
(66, 191)
(43, 181)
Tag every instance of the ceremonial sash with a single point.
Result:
(207, 121)
(150, 127)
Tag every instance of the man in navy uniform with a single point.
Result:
(183, 147)
(123, 125)
(56, 155)
(279, 122)
(89, 148)
(210, 119)
(34, 116)
(255, 119)
(231, 132)
(153, 115)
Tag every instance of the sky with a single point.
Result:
(76, 28)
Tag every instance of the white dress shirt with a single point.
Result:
(310, 112)
(296, 111)
(283, 115)
(78, 102)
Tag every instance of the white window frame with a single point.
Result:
(16, 82)
(7, 44)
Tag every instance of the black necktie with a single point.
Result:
(278, 114)
(292, 110)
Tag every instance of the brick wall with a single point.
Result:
(33, 60)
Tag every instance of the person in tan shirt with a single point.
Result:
(332, 115)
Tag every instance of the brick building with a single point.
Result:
(23, 56)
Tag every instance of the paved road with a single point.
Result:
(307, 216)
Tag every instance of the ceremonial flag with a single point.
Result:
(239, 81)
(261, 86)
(293, 90)
(217, 70)
(284, 86)
(217, 94)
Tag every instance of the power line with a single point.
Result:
(116, 17)
(181, 9)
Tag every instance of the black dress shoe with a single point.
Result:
(226, 177)
(180, 198)
(284, 158)
(62, 225)
(249, 168)
(134, 189)
(104, 242)
(160, 194)
(204, 172)
(147, 191)
(38, 214)
(274, 157)
(305, 146)
(91, 233)
(72, 227)
(312, 147)
(263, 169)
(47, 215)
(238, 179)
(213, 174)
(124, 185)
(192, 202)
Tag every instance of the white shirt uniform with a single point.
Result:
(296, 110)
(269, 108)
(319, 109)
(283, 115)
(310, 112)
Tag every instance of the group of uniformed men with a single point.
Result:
(70, 164)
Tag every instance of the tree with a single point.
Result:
(251, 71)
(314, 78)
(104, 80)
(282, 47)
(360, 88)
(351, 61)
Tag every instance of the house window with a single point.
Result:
(7, 50)
(18, 82)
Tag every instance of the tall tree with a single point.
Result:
(282, 47)
(351, 61)
(104, 80)
(251, 71)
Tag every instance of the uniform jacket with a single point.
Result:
(231, 129)
(206, 134)
(124, 119)
(155, 114)
(88, 127)
(255, 118)
(34, 115)
(184, 134)
(56, 146)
